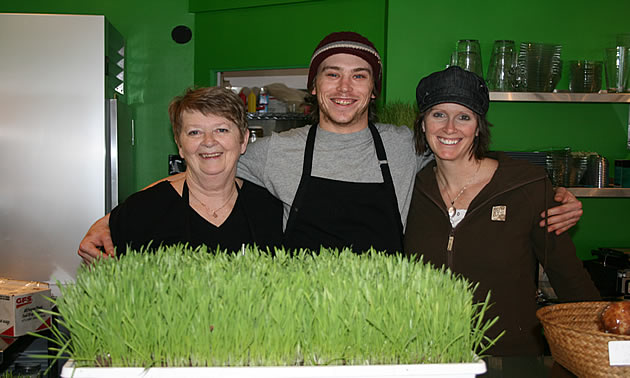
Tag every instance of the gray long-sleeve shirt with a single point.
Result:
(275, 162)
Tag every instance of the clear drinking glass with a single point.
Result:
(585, 76)
(502, 68)
(468, 56)
(617, 68)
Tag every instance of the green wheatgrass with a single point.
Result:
(398, 113)
(182, 307)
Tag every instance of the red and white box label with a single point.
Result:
(19, 301)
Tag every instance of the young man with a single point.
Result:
(345, 181)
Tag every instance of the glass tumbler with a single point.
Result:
(468, 56)
(585, 76)
(502, 67)
(617, 68)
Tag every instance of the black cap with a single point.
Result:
(454, 84)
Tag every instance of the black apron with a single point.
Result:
(339, 214)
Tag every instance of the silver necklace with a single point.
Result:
(213, 212)
(452, 210)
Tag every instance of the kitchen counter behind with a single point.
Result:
(525, 367)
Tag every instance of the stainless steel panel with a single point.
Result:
(52, 141)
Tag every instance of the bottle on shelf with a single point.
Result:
(263, 100)
(243, 97)
(251, 102)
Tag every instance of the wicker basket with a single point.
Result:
(575, 339)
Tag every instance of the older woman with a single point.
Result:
(477, 212)
(208, 204)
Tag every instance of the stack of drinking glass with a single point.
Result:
(558, 166)
(585, 76)
(539, 67)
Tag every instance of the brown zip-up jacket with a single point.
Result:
(499, 245)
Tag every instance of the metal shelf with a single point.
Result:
(600, 192)
(276, 116)
(601, 97)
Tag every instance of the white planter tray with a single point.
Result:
(463, 370)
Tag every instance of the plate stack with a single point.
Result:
(539, 67)
(558, 166)
(536, 158)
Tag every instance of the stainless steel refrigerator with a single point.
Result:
(61, 110)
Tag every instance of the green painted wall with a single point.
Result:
(421, 36)
(157, 69)
(206, 6)
(277, 36)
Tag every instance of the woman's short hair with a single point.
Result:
(217, 101)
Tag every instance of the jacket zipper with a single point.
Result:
(449, 247)
(451, 234)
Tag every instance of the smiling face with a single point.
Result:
(450, 130)
(343, 88)
(210, 145)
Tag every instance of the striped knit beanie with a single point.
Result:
(347, 43)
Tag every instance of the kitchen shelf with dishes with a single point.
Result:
(564, 96)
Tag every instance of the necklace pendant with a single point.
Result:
(451, 211)
(214, 214)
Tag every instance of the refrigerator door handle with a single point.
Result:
(111, 154)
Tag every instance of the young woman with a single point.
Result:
(477, 212)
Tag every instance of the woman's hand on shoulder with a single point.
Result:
(563, 217)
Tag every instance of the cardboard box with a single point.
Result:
(18, 302)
